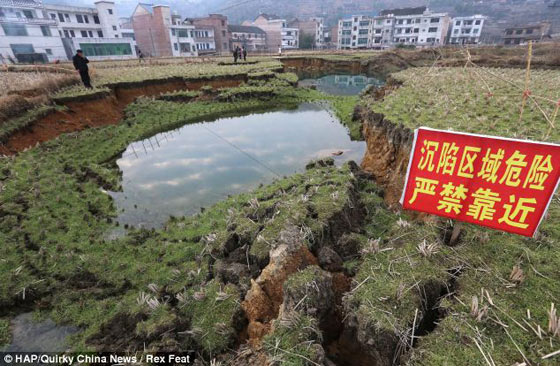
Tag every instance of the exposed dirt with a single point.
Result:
(104, 110)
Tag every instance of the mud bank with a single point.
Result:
(104, 108)
(381, 64)
(387, 152)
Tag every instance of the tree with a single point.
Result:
(306, 41)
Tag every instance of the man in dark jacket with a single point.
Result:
(80, 64)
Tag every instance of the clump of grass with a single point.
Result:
(5, 335)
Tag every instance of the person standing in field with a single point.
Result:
(244, 50)
(81, 65)
(235, 54)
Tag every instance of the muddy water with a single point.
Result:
(337, 84)
(31, 336)
(178, 172)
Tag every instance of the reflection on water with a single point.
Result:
(31, 336)
(179, 172)
(342, 84)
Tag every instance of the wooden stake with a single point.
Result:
(457, 226)
(527, 80)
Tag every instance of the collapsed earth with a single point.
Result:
(249, 211)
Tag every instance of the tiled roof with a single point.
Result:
(404, 11)
(245, 29)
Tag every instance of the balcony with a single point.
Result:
(30, 21)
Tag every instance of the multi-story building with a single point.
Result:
(382, 31)
(204, 40)
(522, 34)
(313, 27)
(290, 38)
(219, 24)
(160, 34)
(355, 32)
(278, 35)
(35, 32)
(253, 38)
(95, 30)
(466, 30)
(27, 35)
(408, 26)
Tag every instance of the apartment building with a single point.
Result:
(204, 40)
(252, 38)
(313, 27)
(531, 32)
(95, 30)
(355, 32)
(408, 26)
(466, 30)
(27, 34)
(159, 33)
(278, 34)
(219, 25)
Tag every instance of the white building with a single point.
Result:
(27, 35)
(355, 32)
(182, 37)
(466, 30)
(34, 32)
(408, 26)
(290, 38)
(94, 30)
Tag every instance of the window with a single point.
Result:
(468, 22)
(176, 46)
(90, 33)
(223, 33)
(19, 49)
(509, 32)
(110, 11)
(475, 30)
(529, 31)
(67, 17)
(434, 20)
(508, 41)
(455, 31)
(114, 27)
(416, 30)
(362, 41)
(28, 14)
(53, 16)
(388, 21)
(477, 22)
(48, 51)
(519, 31)
(116, 36)
(61, 17)
(14, 29)
(96, 19)
(431, 30)
(72, 34)
(86, 19)
(458, 22)
(46, 31)
(66, 34)
(100, 34)
(106, 49)
(363, 31)
(79, 18)
(173, 31)
(364, 23)
(84, 34)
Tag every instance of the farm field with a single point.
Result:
(314, 266)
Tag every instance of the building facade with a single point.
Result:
(162, 34)
(355, 32)
(94, 30)
(27, 34)
(408, 26)
(34, 32)
(313, 27)
(278, 34)
(522, 34)
(466, 30)
(253, 38)
(219, 25)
